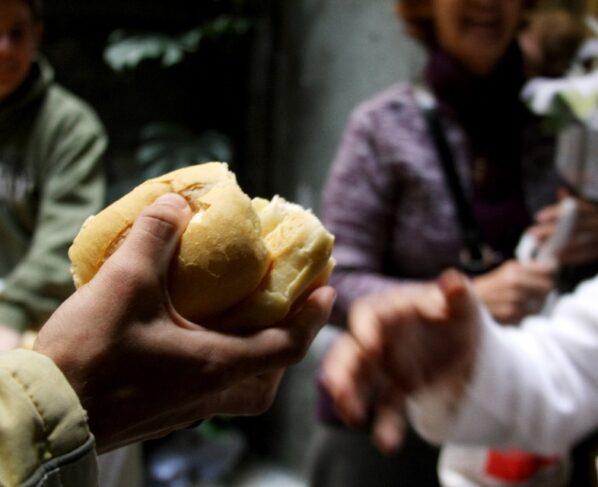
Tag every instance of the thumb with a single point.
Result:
(461, 301)
(156, 232)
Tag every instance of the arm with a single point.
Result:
(358, 208)
(117, 345)
(118, 342)
(362, 206)
(469, 380)
(72, 182)
(535, 388)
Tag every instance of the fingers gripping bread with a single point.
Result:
(300, 248)
(240, 261)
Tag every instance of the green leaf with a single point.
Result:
(127, 51)
(166, 146)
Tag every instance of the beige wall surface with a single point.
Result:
(334, 53)
(331, 55)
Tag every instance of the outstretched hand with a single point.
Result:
(139, 368)
(399, 344)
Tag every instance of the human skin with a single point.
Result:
(139, 368)
(582, 246)
(514, 290)
(476, 32)
(397, 344)
(19, 38)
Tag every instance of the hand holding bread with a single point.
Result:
(240, 261)
(141, 370)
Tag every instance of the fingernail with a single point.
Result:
(172, 199)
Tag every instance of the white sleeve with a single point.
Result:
(534, 387)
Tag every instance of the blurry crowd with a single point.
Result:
(480, 376)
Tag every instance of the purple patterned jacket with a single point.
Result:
(387, 203)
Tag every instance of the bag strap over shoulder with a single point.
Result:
(476, 257)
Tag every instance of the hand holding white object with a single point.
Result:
(546, 240)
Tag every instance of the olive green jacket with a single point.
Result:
(44, 437)
(51, 179)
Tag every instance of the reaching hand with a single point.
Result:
(139, 368)
(398, 344)
(515, 290)
(582, 246)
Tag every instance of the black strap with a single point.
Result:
(477, 257)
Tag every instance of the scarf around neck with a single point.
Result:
(492, 116)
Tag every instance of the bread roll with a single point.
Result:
(300, 248)
(240, 262)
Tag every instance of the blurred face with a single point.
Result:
(476, 32)
(19, 36)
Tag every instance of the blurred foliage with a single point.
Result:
(167, 146)
(126, 50)
(560, 117)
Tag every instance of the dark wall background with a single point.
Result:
(209, 90)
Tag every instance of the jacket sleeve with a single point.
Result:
(73, 184)
(358, 208)
(534, 388)
(44, 437)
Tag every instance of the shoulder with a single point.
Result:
(65, 110)
(392, 124)
(390, 118)
(396, 100)
(66, 125)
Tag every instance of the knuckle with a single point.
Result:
(159, 222)
(128, 275)
(512, 278)
(260, 398)
(263, 401)
(287, 346)
(512, 311)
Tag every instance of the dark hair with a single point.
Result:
(560, 33)
(36, 8)
(418, 18)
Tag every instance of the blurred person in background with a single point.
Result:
(51, 179)
(117, 364)
(549, 41)
(51, 175)
(414, 191)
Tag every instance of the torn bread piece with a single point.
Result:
(300, 248)
(240, 261)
